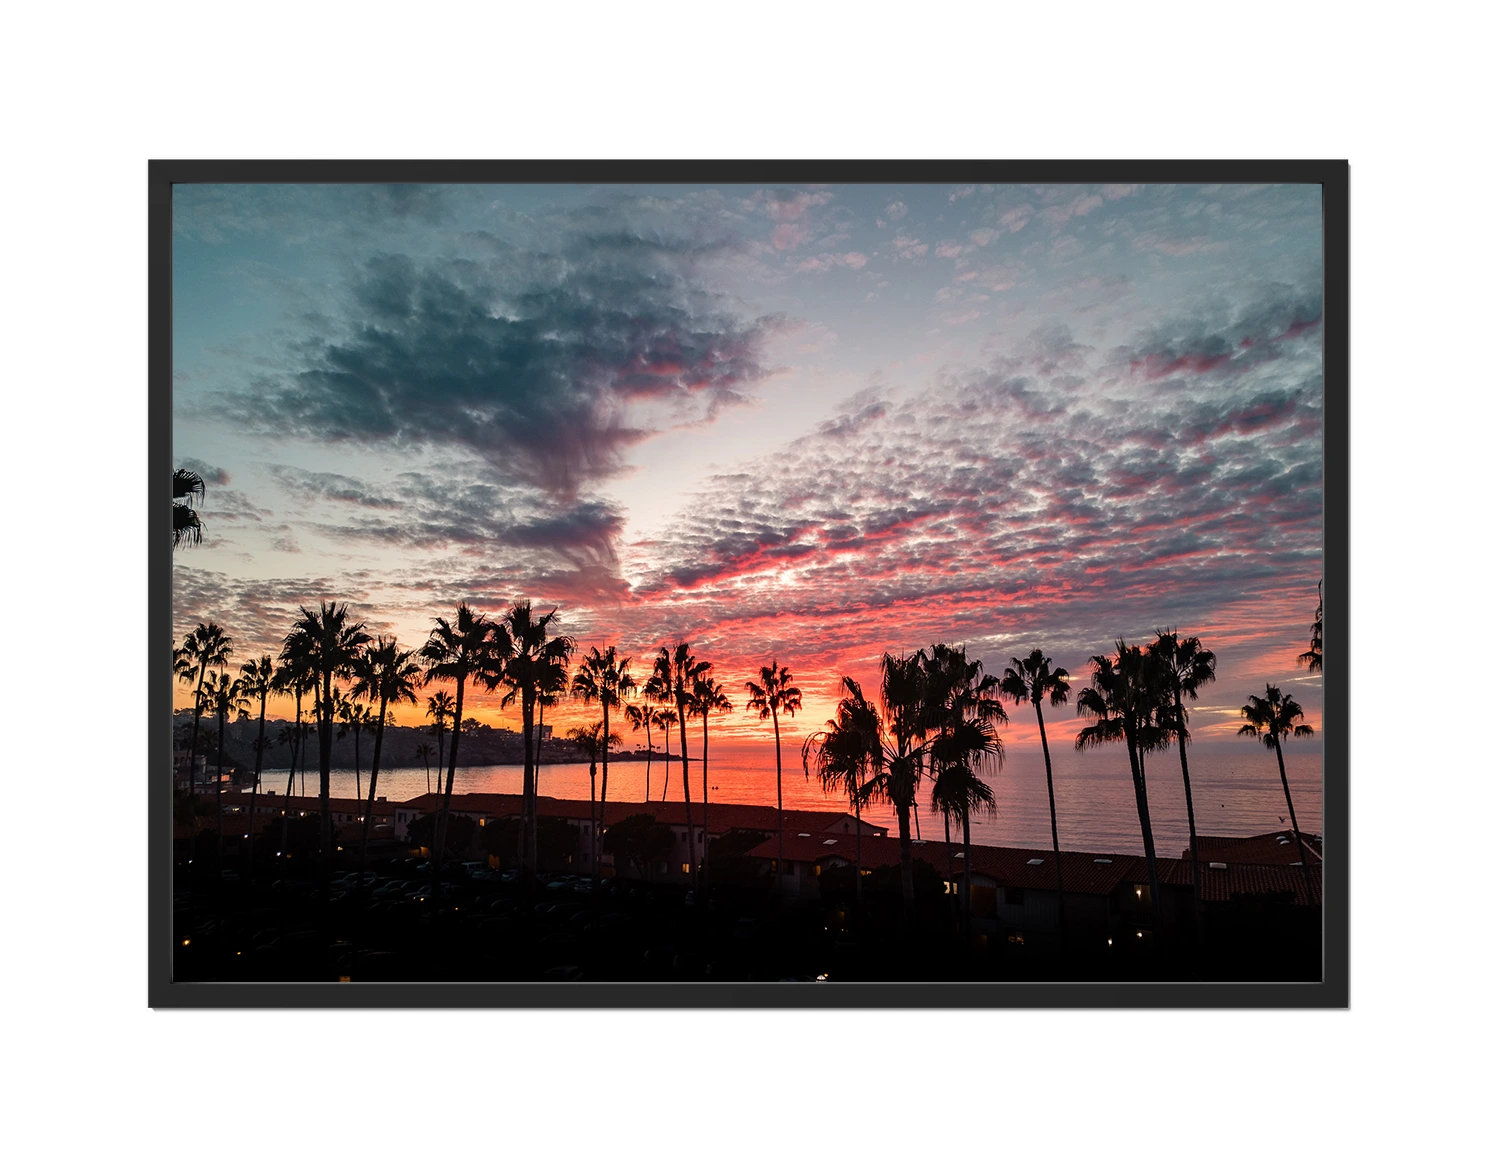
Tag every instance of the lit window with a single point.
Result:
(686, 868)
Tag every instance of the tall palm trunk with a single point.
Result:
(219, 804)
(358, 790)
(903, 828)
(260, 749)
(705, 780)
(1296, 833)
(528, 780)
(687, 795)
(1187, 791)
(536, 784)
(859, 863)
(603, 796)
(1143, 811)
(441, 729)
(325, 765)
(968, 908)
(780, 829)
(364, 827)
(948, 850)
(593, 827)
(440, 829)
(648, 761)
(291, 776)
(193, 747)
(1052, 809)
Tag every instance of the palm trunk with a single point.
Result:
(1187, 791)
(364, 828)
(358, 790)
(532, 828)
(648, 761)
(528, 778)
(260, 749)
(603, 796)
(687, 795)
(968, 876)
(859, 862)
(1052, 809)
(291, 776)
(219, 805)
(780, 831)
(908, 895)
(1143, 811)
(440, 730)
(440, 828)
(705, 782)
(948, 849)
(593, 826)
(325, 766)
(1287, 789)
(193, 747)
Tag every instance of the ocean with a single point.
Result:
(1236, 791)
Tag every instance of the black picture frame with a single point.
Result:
(1332, 992)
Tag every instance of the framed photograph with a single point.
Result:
(749, 584)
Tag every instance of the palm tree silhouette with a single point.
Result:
(384, 674)
(642, 717)
(602, 678)
(844, 754)
(1313, 658)
(964, 709)
(187, 528)
(471, 646)
(672, 677)
(440, 710)
(332, 643)
(903, 695)
(257, 681)
(708, 697)
(1031, 680)
(207, 646)
(534, 658)
(1272, 718)
(1126, 693)
(665, 719)
(593, 740)
(224, 697)
(1185, 667)
(355, 716)
(771, 696)
(424, 753)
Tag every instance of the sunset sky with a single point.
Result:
(814, 423)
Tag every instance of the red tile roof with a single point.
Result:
(1265, 849)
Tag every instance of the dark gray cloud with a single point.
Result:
(545, 364)
(210, 474)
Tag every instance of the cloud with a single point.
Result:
(908, 247)
(896, 211)
(547, 364)
(828, 260)
(216, 476)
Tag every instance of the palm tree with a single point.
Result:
(333, 643)
(471, 646)
(257, 681)
(672, 677)
(771, 696)
(296, 676)
(708, 697)
(1313, 659)
(1271, 719)
(384, 674)
(602, 678)
(592, 740)
(424, 753)
(665, 719)
(535, 656)
(964, 707)
(1030, 681)
(207, 646)
(355, 715)
(440, 710)
(186, 527)
(224, 697)
(903, 695)
(844, 753)
(1185, 666)
(642, 717)
(1126, 693)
